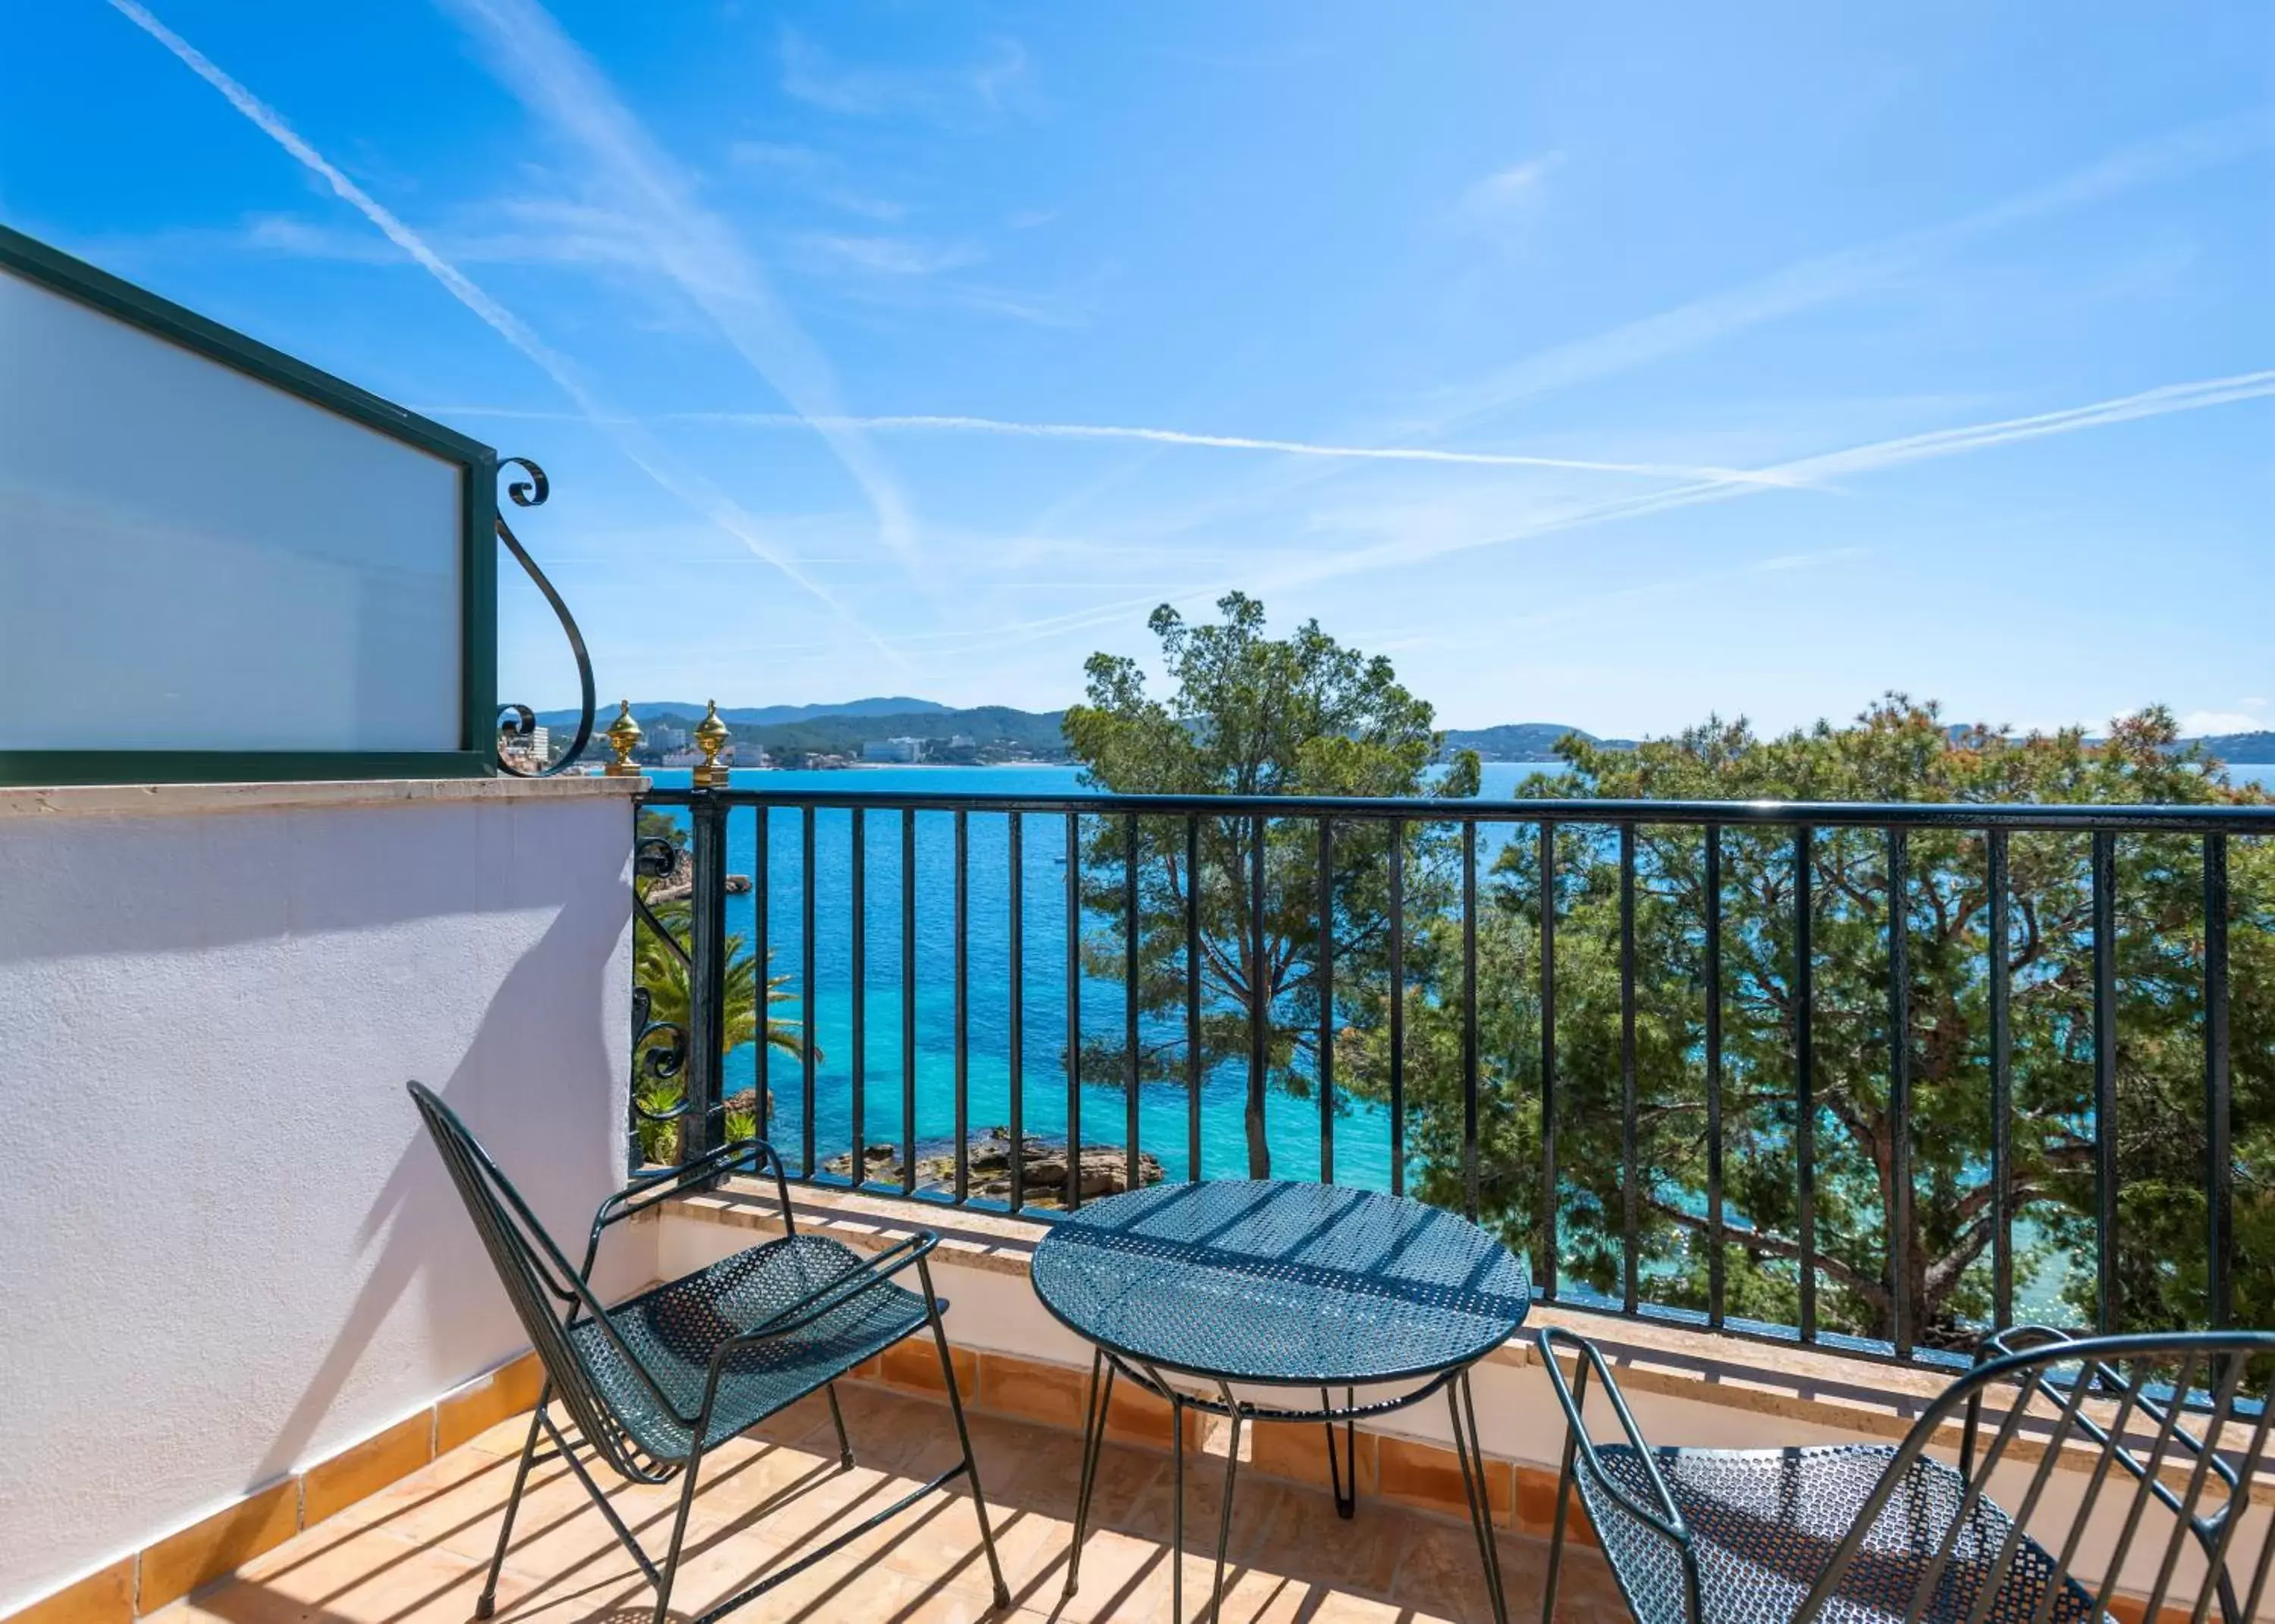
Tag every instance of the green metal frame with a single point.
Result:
(476, 756)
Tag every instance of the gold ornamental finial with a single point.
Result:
(711, 737)
(624, 737)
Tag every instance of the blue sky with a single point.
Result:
(1606, 365)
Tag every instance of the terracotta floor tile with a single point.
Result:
(416, 1552)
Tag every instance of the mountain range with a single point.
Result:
(847, 726)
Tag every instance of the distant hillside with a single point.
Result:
(756, 715)
(1030, 733)
(1520, 740)
(2253, 749)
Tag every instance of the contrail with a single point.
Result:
(1878, 454)
(921, 422)
(695, 491)
(1230, 442)
(546, 70)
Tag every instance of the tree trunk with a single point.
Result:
(1260, 1147)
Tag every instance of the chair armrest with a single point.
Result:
(754, 1156)
(1667, 1520)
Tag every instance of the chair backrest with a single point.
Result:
(547, 1294)
(2123, 1448)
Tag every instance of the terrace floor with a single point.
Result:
(415, 1552)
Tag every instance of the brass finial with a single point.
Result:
(711, 737)
(624, 737)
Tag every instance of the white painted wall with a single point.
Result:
(229, 1252)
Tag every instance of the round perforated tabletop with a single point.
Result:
(1283, 1283)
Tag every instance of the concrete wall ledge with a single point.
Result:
(206, 800)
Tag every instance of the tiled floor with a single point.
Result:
(415, 1554)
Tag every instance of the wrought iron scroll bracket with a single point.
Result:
(516, 719)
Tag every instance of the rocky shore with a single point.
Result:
(1101, 1170)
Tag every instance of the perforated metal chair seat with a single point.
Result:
(674, 1330)
(1765, 1524)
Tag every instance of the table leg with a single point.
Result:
(1224, 1512)
(1471, 1453)
(1093, 1440)
(1177, 1508)
(1345, 1489)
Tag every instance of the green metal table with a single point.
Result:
(1303, 1288)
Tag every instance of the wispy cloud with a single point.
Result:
(886, 256)
(810, 74)
(1826, 278)
(817, 174)
(538, 63)
(2196, 724)
(1504, 190)
(928, 423)
(1806, 472)
(630, 438)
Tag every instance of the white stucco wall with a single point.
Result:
(229, 1252)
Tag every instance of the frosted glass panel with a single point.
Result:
(190, 559)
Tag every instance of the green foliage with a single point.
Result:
(1249, 714)
(662, 972)
(1896, 751)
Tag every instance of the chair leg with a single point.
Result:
(845, 1444)
(678, 1532)
(486, 1604)
(1556, 1535)
(963, 1438)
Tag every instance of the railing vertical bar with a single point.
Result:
(1805, 1066)
(2105, 1078)
(1900, 1090)
(2219, 1170)
(1130, 1127)
(807, 1048)
(1470, 1018)
(706, 977)
(1017, 1014)
(1259, 991)
(1549, 1204)
(1326, 967)
(1630, 1184)
(963, 1007)
(907, 1001)
(1074, 1011)
(1716, 1264)
(762, 955)
(859, 1168)
(2002, 1083)
(1192, 997)
(1398, 1005)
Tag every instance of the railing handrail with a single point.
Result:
(2035, 816)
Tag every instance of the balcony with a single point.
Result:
(302, 1436)
(1784, 1105)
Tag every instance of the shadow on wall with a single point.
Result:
(537, 1093)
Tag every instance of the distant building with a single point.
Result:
(694, 757)
(963, 741)
(893, 749)
(529, 751)
(663, 736)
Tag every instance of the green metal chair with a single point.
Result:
(653, 1383)
(1869, 1534)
